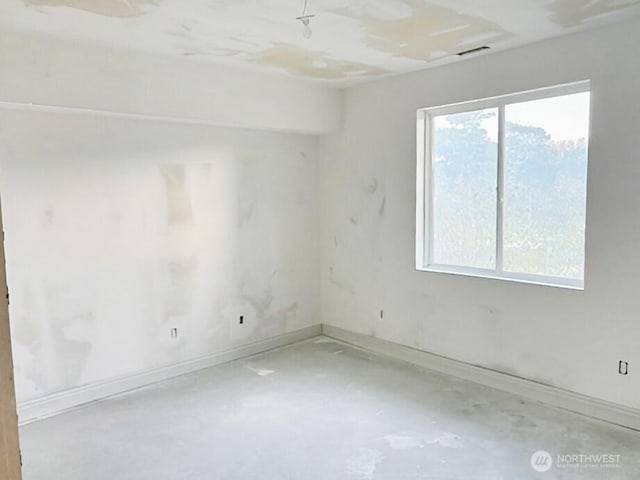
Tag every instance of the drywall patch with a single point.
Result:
(106, 8)
(570, 13)
(425, 32)
(311, 63)
(71, 347)
(79, 328)
(182, 274)
(179, 208)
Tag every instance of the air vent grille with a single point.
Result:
(473, 50)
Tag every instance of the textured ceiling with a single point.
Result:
(353, 40)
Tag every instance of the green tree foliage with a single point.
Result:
(465, 182)
(545, 191)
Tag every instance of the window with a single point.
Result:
(502, 186)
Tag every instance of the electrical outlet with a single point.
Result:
(241, 319)
(174, 333)
(623, 368)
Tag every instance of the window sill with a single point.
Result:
(526, 279)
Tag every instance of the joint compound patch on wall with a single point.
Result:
(107, 8)
(182, 274)
(179, 208)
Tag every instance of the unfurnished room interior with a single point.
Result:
(320, 239)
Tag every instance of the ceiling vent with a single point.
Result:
(473, 50)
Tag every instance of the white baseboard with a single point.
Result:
(60, 402)
(600, 409)
(557, 397)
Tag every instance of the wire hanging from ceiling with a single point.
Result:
(305, 18)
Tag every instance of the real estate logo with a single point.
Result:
(541, 461)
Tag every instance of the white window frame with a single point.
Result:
(424, 186)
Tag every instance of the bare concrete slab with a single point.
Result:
(321, 410)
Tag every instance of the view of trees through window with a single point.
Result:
(544, 192)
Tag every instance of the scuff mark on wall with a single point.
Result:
(249, 214)
(287, 311)
(383, 206)
(48, 216)
(107, 8)
(426, 32)
(179, 208)
(311, 63)
(262, 304)
(570, 13)
(371, 188)
(341, 285)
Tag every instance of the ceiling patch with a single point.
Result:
(299, 61)
(107, 8)
(426, 32)
(570, 13)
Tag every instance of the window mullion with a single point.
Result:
(430, 184)
(500, 193)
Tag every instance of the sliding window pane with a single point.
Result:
(464, 170)
(545, 169)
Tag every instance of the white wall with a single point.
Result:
(63, 72)
(118, 230)
(570, 339)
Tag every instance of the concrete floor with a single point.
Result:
(318, 410)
